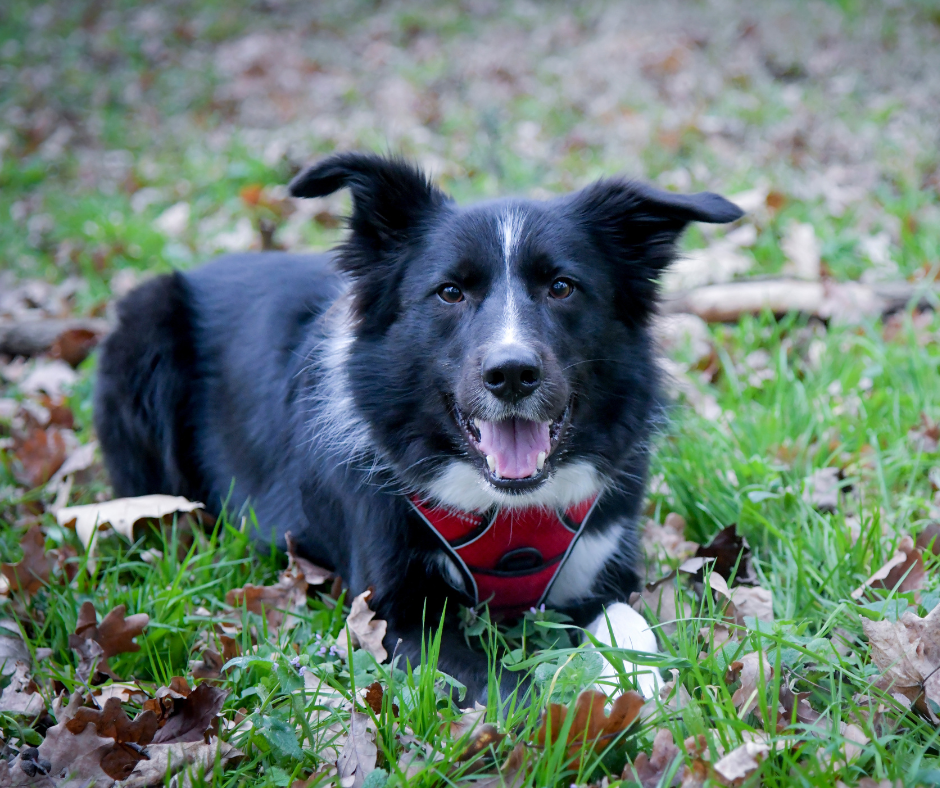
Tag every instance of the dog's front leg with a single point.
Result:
(626, 629)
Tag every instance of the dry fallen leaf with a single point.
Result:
(32, 572)
(174, 759)
(590, 721)
(908, 653)
(19, 697)
(822, 489)
(732, 555)
(276, 602)
(903, 571)
(742, 761)
(130, 736)
(120, 514)
(12, 647)
(114, 635)
(649, 770)
(926, 436)
(193, 716)
(364, 632)
(358, 756)
(801, 247)
(61, 752)
(313, 574)
(754, 672)
(38, 455)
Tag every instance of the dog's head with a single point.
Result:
(501, 351)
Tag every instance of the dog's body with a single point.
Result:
(445, 366)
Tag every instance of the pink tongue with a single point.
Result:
(515, 444)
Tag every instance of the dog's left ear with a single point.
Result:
(635, 226)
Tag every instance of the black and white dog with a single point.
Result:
(454, 406)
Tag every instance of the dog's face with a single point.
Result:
(501, 351)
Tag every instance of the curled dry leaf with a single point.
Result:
(821, 489)
(742, 761)
(649, 770)
(903, 571)
(32, 572)
(364, 632)
(193, 717)
(20, 697)
(908, 653)
(114, 635)
(38, 454)
(120, 514)
(666, 543)
(276, 603)
(590, 721)
(166, 700)
(61, 752)
(174, 759)
(12, 647)
(929, 538)
(925, 437)
(313, 574)
(130, 736)
(732, 555)
(359, 753)
(754, 672)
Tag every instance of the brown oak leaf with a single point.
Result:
(590, 721)
(358, 756)
(193, 717)
(365, 632)
(20, 697)
(167, 699)
(649, 770)
(38, 455)
(313, 574)
(130, 736)
(753, 671)
(732, 555)
(114, 635)
(908, 653)
(32, 572)
(903, 571)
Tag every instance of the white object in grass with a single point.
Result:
(630, 631)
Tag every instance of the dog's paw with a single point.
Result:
(631, 631)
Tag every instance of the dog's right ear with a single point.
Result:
(391, 198)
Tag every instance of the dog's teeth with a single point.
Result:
(476, 423)
(539, 462)
(491, 462)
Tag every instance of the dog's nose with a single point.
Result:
(512, 372)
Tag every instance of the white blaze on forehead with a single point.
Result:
(510, 233)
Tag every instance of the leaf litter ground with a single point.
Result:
(794, 507)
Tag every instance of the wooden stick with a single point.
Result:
(726, 303)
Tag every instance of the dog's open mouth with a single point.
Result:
(516, 452)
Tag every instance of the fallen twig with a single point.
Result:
(843, 301)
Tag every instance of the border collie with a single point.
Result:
(455, 405)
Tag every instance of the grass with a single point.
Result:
(148, 125)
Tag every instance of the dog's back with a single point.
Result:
(200, 369)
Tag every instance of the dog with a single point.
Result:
(453, 407)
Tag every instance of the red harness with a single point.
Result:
(509, 558)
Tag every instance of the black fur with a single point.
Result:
(222, 383)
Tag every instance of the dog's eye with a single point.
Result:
(561, 288)
(450, 294)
